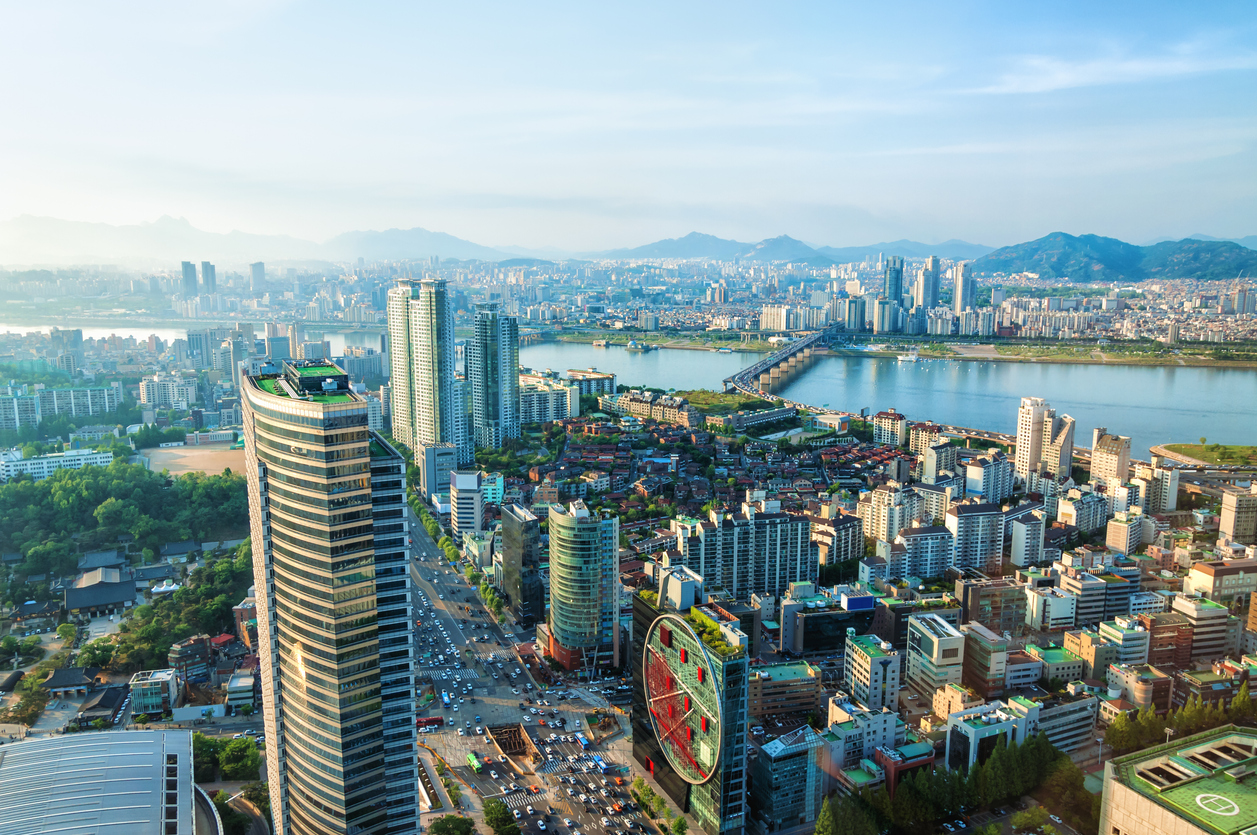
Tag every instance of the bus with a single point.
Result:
(473, 763)
(445, 699)
(429, 722)
(601, 764)
(584, 743)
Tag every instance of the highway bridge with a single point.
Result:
(755, 379)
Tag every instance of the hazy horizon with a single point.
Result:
(582, 129)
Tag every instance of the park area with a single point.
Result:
(1232, 455)
(208, 458)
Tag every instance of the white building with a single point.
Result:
(990, 477)
(542, 400)
(167, 391)
(887, 510)
(1110, 457)
(979, 532)
(1049, 609)
(871, 669)
(1026, 540)
(12, 464)
(1130, 637)
(936, 653)
(466, 503)
(1044, 441)
(890, 427)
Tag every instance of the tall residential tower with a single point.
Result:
(1044, 441)
(493, 374)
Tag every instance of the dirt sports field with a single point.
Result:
(209, 458)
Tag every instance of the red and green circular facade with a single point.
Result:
(682, 698)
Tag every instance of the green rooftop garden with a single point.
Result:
(319, 370)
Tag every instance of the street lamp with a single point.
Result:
(1100, 750)
(1169, 732)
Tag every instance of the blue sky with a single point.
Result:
(584, 126)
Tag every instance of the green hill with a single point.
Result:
(1091, 258)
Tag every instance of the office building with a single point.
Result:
(493, 374)
(716, 799)
(979, 532)
(521, 561)
(789, 689)
(583, 630)
(436, 462)
(330, 676)
(257, 276)
(1096, 652)
(1230, 582)
(974, 734)
(1045, 442)
(1213, 634)
(209, 278)
(936, 653)
(985, 660)
(997, 603)
(964, 288)
(155, 692)
(188, 286)
(1238, 520)
(752, 552)
(871, 670)
(1130, 637)
(466, 504)
(813, 623)
(1110, 458)
(1143, 685)
(1124, 533)
(109, 783)
(786, 782)
(927, 294)
(1169, 639)
(1192, 785)
(1049, 609)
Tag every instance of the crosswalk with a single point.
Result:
(434, 674)
(519, 800)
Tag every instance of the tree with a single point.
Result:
(452, 825)
(1242, 705)
(825, 820)
(679, 826)
(498, 818)
(260, 796)
(239, 760)
(67, 631)
(1030, 819)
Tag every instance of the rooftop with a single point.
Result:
(107, 783)
(870, 645)
(270, 384)
(1207, 779)
(790, 671)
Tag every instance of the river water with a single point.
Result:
(1151, 405)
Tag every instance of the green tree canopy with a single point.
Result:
(452, 825)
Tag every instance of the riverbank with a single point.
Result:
(619, 339)
(1210, 455)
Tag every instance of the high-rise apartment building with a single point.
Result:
(1044, 441)
(188, 285)
(964, 288)
(929, 282)
(209, 278)
(584, 623)
(521, 561)
(493, 372)
(979, 532)
(752, 552)
(326, 498)
(257, 277)
(1238, 520)
(421, 347)
(892, 280)
(1110, 458)
(1158, 486)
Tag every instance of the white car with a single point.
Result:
(584, 798)
(517, 814)
(530, 811)
(606, 822)
(567, 822)
(493, 775)
(461, 732)
(541, 825)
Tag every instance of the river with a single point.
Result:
(1152, 405)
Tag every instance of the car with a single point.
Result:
(584, 798)
(541, 825)
(238, 736)
(517, 814)
(477, 718)
(606, 822)
(251, 732)
(530, 811)
(570, 793)
(567, 822)
(479, 730)
(493, 775)
(913, 697)
(461, 732)
(1055, 819)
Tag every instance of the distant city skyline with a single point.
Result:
(590, 129)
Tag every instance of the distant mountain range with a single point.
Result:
(785, 248)
(45, 240)
(1085, 258)
(166, 241)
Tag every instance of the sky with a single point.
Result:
(587, 126)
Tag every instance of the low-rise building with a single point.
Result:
(1142, 685)
(782, 689)
(39, 467)
(1049, 609)
(1058, 662)
(155, 691)
(936, 653)
(1131, 638)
